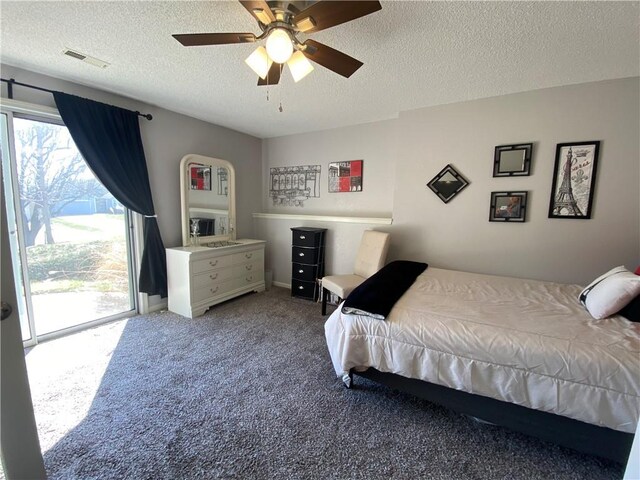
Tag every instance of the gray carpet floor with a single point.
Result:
(248, 391)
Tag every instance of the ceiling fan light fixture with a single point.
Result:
(306, 24)
(259, 62)
(261, 15)
(299, 66)
(279, 45)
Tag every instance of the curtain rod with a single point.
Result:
(11, 82)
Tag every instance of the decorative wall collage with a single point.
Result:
(292, 186)
(573, 183)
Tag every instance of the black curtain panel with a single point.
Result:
(109, 139)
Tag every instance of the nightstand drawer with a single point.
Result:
(304, 289)
(305, 238)
(300, 271)
(304, 255)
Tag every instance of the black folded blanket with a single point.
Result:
(376, 296)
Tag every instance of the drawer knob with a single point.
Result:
(248, 279)
(248, 255)
(300, 271)
(300, 287)
(302, 237)
(214, 276)
(301, 254)
(214, 290)
(248, 267)
(213, 263)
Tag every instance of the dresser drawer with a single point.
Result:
(248, 279)
(211, 263)
(305, 238)
(300, 271)
(247, 268)
(250, 256)
(211, 290)
(304, 255)
(303, 289)
(212, 277)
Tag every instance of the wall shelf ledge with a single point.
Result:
(326, 218)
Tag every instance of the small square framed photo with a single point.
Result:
(512, 160)
(508, 207)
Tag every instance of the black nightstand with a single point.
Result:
(307, 261)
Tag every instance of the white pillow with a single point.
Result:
(611, 292)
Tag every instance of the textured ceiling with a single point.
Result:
(415, 54)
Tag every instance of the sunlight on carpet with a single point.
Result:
(81, 359)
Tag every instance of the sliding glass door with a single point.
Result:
(70, 239)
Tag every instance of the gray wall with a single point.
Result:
(376, 144)
(167, 138)
(403, 155)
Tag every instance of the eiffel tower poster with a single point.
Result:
(574, 178)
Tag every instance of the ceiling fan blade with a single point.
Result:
(197, 39)
(273, 77)
(260, 11)
(329, 13)
(330, 58)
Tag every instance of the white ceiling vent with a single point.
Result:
(85, 58)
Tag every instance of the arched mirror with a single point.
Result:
(207, 189)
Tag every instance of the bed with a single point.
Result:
(519, 353)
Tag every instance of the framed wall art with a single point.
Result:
(345, 176)
(512, 160)
(292, 186)
(574, 180)
(223, 181)
(508, 207)
(447, 184)
(200, 178)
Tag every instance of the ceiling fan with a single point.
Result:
(280, 22)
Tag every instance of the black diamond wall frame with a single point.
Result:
(447, 184)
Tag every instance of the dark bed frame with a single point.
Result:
(564, 431)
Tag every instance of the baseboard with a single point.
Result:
(158, 307)
(282, 284)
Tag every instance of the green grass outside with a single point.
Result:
(95, 261)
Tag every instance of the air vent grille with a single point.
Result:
(85, 58)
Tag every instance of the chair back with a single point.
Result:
(372, 253)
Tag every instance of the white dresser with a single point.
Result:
(199, 277)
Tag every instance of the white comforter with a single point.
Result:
(522, 341)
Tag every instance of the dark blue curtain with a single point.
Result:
(109, 139)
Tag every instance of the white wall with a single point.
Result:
(404, 154)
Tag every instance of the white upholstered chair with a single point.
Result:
(371, 257)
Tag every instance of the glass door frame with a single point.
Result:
(51, 115)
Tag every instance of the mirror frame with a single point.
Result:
(500, 149)
(185, 188)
